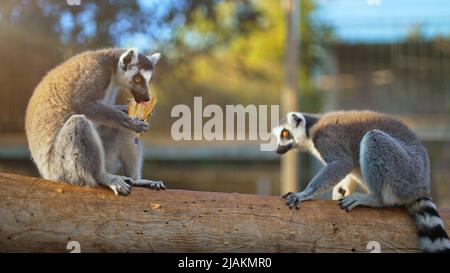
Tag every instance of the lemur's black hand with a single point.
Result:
(294, 199)
(139, 126)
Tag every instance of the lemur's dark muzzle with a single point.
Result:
(283, 149)
(140, 95)
(142, 99)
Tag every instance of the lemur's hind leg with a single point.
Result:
(359, 199)
(387, 169)
(111, 141)
(346, 187)
(78, 157)
(131, 157)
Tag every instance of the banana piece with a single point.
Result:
(141, 110)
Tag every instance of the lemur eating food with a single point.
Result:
(76, 132)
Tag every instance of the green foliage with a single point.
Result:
(250, 67)
(107, 23)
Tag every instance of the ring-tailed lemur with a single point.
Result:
(75, 131)
(374, 150)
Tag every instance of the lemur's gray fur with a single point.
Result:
(77, 134)
(374, 150)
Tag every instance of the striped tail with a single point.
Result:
(432, 235)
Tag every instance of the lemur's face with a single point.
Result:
(134, 71)
(290, 133)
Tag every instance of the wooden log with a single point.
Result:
(43, 216)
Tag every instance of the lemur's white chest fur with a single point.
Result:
(308, 146)
(111, 93)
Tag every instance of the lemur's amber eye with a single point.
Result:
(284, 133)
(137, 79)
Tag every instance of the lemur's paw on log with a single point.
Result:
(294, 199)
(121, 185)
(156, 185)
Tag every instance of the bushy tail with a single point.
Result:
(432, 235)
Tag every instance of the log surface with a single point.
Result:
(43, 216)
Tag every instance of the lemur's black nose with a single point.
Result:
(141, 99)
(283, 149)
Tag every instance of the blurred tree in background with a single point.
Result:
(97, 24)
(225, 51)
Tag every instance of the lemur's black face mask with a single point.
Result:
(139, 88)
(282, 149)
(140, 94)
(138, 85)
(285, 135)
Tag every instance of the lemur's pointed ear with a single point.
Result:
(128, 58)
(154, 58)
(295, 118)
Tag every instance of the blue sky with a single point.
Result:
(384, 20)
(366, 21)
